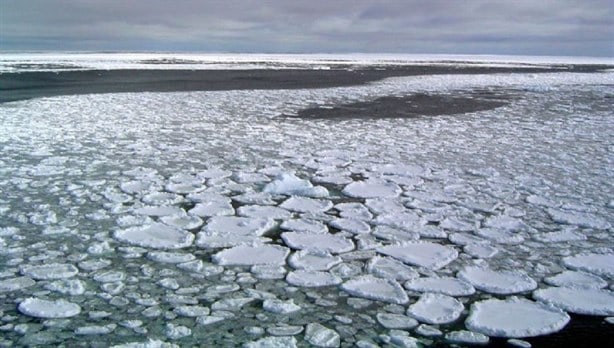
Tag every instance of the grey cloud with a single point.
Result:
(559, 27)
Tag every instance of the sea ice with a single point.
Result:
(374, 288)
(442, 285)
(306, 205)
(394, 234)
(49, 271)
(576, 279)
(14, 284)
(182, 222)
(436, 309)
(243, 226)
(273, 342)
(390, 268)
(355, 211)
(351, 225)
(396, 321)
(499, 235)
(579, 301)
(306, 278)
(291, 185)
(159, 211)
(423, 254)
(319, 242)
(600, 264)
(481, 250)
(384, 205)
(372, 189)
(321, 336)
(279, 306)
(261, 211)
(504, 223)
(313, 260)
(39, 308)
(515, 317)
(304, 225)
(156, 235)
(497, 282)
(212, 208)
(252, 255)
(586, 220)
(566, 235)
(466, 337)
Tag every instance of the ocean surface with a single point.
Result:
(230, 218)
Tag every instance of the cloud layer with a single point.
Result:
(544, 27)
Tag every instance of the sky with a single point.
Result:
(517, 27)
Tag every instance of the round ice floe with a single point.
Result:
(209, 240)
(233, 225)
(396, 321)
(481, 250)
(497, 282)
(579, 301)
(14, 284)
(355, 211)
(579, 219)
(39, 308)
(423, 254)
(374, 288)
(259, 198)
(159, 211)
(515, 318)
(268, 271)
(50, 271)
(313, 260)
(394, 234)
(184, 187)
(442, 285)
(169, 257)
(304, 225)
(290, 184)
(436, 309)
(212, 208)
(576, 279)
(162, 198)
(390, 268)
(559, 236)
(156, 235)
(184, 222)
(312, 278)
(252, 255)
(400, 169)
(601, 264)
(306, 205)
(500, 236)
(372, 189)
(466, 337)
(384, 205)
(405, 220)
(351, 225)
(505, 223)
(262, 211)
(319, 242)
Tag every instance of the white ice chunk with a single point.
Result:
(400, 169)
(501, 236)
(162, 198)
(313, 260)
(354, 211)
(273, 342)
(279, 306)
(396, 321)
(600, 264)
(505, 223)
(159, 211)
(170, 257)
(191, 311)
(351, 225)
(441, 285)
(268, 271)
(384, 205)
(320, 242)
(260, 211)
(156, 235)
(291, 185)
(497, 282)
(404, 220)
(49, 271)
(307, 278)
(374, 288)
(423, 254)
(577, 279)
(304, 225)
(577, 300)
(586, 220)
(252, 255)
(436, 309)
(306, 205)
(39, 308)
(515, 317)
(212, 208)
(321, 336)
(71, 287)
(183, 222)
(467, 337)
(394, 234)
(372, 189)
(480, 250)
(243, 226)
(566, 235)
(14, 284)
(390, 268)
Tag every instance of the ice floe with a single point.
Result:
(442, 285)
(48, 309)
(396, 321)
(351, 225)
(577, 300)
(252, 255)
(374, 288)
(576, 279)
(467, 337)
(261, 211)
(321, 336)
(15, 284)
(306, 205)
(156, 235)
(600, 264)
(423, 254)
(579, 219)
(291, 185)
(390, 268)
(319, 242)
(497, 282)
(515, 317)
(49, 271)
(372, 189)
(306, 278)
(436, 309)
(313, 260)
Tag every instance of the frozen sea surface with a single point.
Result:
(210, 218)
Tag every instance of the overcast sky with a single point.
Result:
(535, 27)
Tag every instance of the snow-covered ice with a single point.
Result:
(436, 309)
(423, 254)
(497, 282)
(319, 242)
(48, 309)
(577, 300)
(515, 317)
(307, 278)
(252, 255)
(442, 285)
(156, 235)
(374, 288)
(600, 264)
